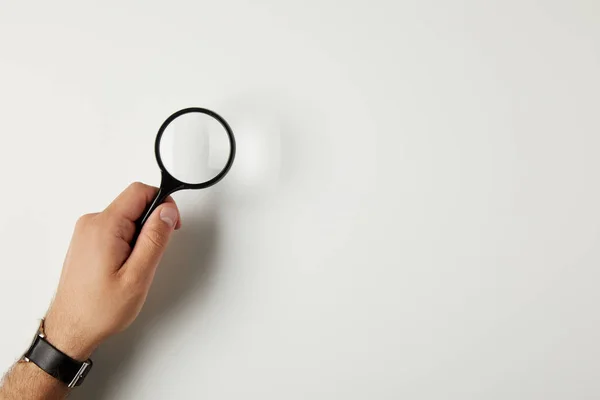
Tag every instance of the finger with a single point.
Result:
(178, 225)
(151, 243)
(128, 208)
(132, 202)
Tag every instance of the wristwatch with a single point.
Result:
(54, 362)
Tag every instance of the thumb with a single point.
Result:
(152, 242)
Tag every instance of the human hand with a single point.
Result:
(104, 283)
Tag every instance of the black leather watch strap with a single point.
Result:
(57, 363)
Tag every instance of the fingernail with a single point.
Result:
(169, 216)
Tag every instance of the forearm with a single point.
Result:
(25, 381)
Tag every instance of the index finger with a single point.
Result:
(132, 202)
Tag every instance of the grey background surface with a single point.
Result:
(414, 212)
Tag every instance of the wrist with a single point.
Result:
(68, 339)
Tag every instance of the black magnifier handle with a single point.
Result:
(168, 186)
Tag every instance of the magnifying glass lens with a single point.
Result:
(194, 148)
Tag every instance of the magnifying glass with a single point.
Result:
(195, 149)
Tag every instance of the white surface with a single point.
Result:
(427, 226)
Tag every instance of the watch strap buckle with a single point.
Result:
(85, 367)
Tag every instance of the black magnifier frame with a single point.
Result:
(169, 184)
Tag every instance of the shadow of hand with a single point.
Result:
(186, 268)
